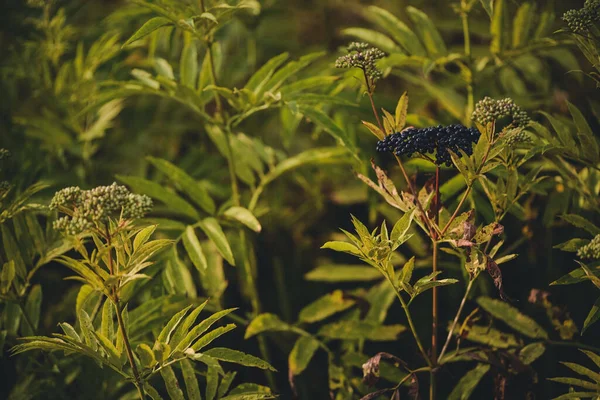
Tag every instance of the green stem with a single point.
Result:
(573, 344)
(411, 325)
(456, 318)
(136, 375)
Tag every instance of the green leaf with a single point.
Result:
(87, 329)
(11, 249)
(401, 112)
(262, 76)
(428, 33)
(360, 330)
(146, 355)
(202, 327)
(188, 65)
(589, 144)
(7, 276)
(522, 24)
(212, 382)
(183, 329)
(150, 391)
(165, 334)
(324, 307)
(512, 317)
(237, 357)
(158, 192)
(168, 375)
(343, 247)
(107, 327)
(576, 382)
(572, 245)
(488, 6)
(593, 356)
(402, 226)
(266, 322)
(576, 276)
(198, 193)
(490, 337)
(328, 125)
(531, 352)
(497, 26)
(466, 385)
(211, 336)
(191, 383)
(143, 236)
(290, 69)
(593, 316)
(397, 29)
(213, 230)
(226, 384)
(194, 250)
(562, 130)
(375, 38)
(244, 216)
(301, 354)
(150, 26)
(581, 222)
(33, 306)
(581, 370)
(343, 273)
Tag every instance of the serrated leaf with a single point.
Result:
(194, 250)
(191, 383)
(490, 337)
(512, 317)
(165, 334)
(581, 222)
(572, 245)
(397, 29)
(401, 112)
(202, 327)
(237, 357)
(581, 370)
(467, 384)
(402, 226)
(168, 375)
(198, 193)
(213, 230)
(428, 32)
(264, 73)
(328, 125)
(301, 354)
(149, 26)
(146, 355)
(374, 130)
(593, 316)
(324, 307)
(158, 192)
(33, 306)
(211, 336)
(531, 352)
(107, 327)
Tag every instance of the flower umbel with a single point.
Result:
(491, 110)
(581, 20)
(87, 209)
(361, 55)
(435, 139)
(590, 250)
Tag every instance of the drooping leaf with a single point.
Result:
(325, 306)
(512, 317)
(301, 354)
(198, 193)
(213, 230)
(244, 216)
(168, 375)
(237, 357)
(191, 383)
(266, 322)
(466, 385)
(149, 26)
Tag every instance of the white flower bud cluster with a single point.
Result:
(89, 208)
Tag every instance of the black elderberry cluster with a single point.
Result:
(432, 140)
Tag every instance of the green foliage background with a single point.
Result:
(81, 108)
